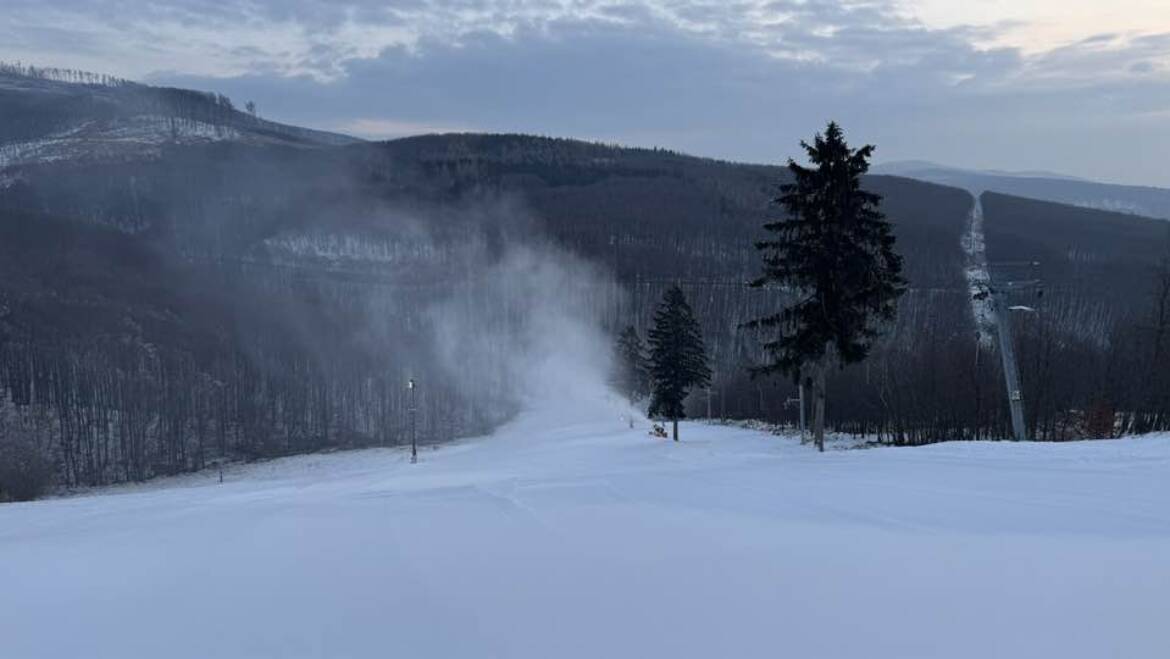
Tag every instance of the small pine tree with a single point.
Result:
(835, 254)
(631, 377)
(678, 359)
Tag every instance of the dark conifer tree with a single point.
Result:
(833, 257)
(631, 377)
(678, 359)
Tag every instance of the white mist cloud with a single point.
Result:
(525, 328)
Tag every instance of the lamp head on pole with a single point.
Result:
(410, 383)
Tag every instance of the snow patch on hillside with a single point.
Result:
(37, 151)
(349, 248)
(139, 136)
(1115, 206)
(157, 129)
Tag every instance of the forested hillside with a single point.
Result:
(240, 298)
(309, 275)
(1096, 343)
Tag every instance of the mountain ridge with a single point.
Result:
(1141, 200)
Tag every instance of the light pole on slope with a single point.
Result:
(411, 410)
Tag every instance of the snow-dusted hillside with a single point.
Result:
(80, 117)
(568, 535)
(133, 137)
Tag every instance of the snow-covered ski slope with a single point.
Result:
(568, 535)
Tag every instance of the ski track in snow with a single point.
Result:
(568, 535)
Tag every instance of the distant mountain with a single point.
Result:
(916, 168)
(1045, 186)
(52, 115)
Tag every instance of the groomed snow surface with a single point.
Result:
(568, 535)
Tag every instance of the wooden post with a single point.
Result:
(413, 433)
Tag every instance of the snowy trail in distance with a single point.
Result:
(974, 244)
(572, 536)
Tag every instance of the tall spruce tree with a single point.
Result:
(833, 257)
(678, 359)
(631, 370)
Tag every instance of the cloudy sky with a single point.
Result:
(1075, 86)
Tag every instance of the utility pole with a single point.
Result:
(976, 381)
(1011, 373)
(803, 421)
(1001, 306)
(413, 436)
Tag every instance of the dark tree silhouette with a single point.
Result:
(835, 252)
(678, 359)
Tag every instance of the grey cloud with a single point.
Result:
(663, 87)
(853, 35)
